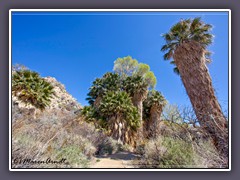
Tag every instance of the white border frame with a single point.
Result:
(117, 10)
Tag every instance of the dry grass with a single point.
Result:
(43, 138)
(61, 135)
(57, 137)
(179, 146)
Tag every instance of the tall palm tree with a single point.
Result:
(30, 88)
(186, 44)
(121, 116)
(153, 107)
(137, 88)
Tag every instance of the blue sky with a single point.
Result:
(78, 47)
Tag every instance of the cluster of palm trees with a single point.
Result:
(116, 101)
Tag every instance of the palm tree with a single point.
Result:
(109, 82)
(186, 44)
(137, 88)
(89, 113)
(121, 116)
(153, 107)
(31, 89)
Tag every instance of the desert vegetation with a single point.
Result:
(125, 113)
(31, 89)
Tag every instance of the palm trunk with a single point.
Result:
(97, 102)
(118, 129)
(155, 115)
(113, 127)
(190, 60)
(137, 101)
(138, 104)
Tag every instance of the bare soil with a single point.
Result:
(117, 160)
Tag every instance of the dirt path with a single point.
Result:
(117, 160)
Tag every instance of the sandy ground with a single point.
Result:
(117, 160)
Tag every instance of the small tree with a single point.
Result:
(127, 66)
(172, 113)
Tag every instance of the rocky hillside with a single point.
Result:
(57, 133)
(63, 104)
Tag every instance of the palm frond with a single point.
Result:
(185, 31)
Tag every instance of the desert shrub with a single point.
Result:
(176, 130)
(103, 144)
(140, 148)
(107, 146)
(66, 139)
(175, 152)
(74, 155)
(165, 152)
(207, 156)
(55, 138)
(125, 147)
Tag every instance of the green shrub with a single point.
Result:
(74, 156)
(166, 152)
(42, 139)
(108, 146)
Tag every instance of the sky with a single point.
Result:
(77, 47)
